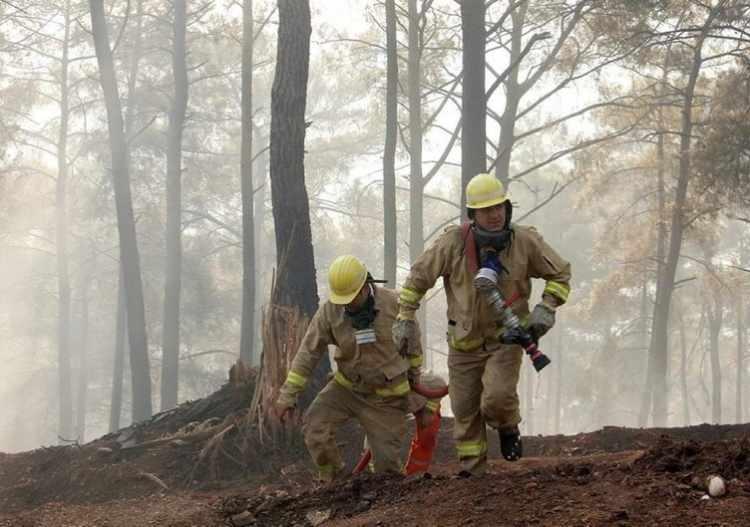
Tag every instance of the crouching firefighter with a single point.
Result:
(482, 261)
(371, 383)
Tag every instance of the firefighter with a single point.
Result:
(483, 371)
(372, 381)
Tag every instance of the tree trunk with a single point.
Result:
(559, 378)
(665, 285)
(416, 181)
(83, 349)
(741, 336)
(129, 256)
(473, 98)
(604, 391)
(260, 178)
(295, 281)
(715, 323)
(121, 336)
(661, 239)
(121, 345)
(683, 369)
(247, 336)
(513, 94)
(65, 425)
(295, 284)
(529, 396)
(390, 248)
(645, 409)
(170, 377)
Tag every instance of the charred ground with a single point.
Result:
(205, 463)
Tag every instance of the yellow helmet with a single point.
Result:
(485, 190)
(346, 276)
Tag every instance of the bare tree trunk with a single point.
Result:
(65, 425)
(416, 180)
(559, 379)
(247, 336)
(741, 336)
(473, 98)
(665, 285)
(125, 220)
(390, 248)
(661, 240)
(513, 94)
(170, 376)
(604, 395)
(645, 408)
(715, 323)
(295, 284)
(121, 336)
(260, 178)
(683, 368)
(121, 346)
(530, 410)
(83, 348)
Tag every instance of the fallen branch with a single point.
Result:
(155, 479)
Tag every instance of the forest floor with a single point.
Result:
(202, 464)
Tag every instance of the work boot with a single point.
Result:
(510, 444)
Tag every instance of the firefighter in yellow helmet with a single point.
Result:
(483, 366)
(371, 383)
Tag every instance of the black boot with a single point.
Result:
(510, 444)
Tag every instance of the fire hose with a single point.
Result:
(420, 389)
(485, 282)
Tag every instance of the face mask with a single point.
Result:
(365, 315)
(495, 240)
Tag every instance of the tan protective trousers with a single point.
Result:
(383, 419)
(483, 391)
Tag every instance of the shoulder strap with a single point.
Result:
(470, 247)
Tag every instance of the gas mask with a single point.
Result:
(363, 317)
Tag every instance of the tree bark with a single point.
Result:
(715, 323)
(473, 98)
(83, 349)
(170, 377)
(115, 410)
(683, 368)
(260, 178)
(660, 323)
(390, 247)
(65, 425)
(513, 94)
(121, 346)
(661, 240)
(741, 343)
(247, 335)
(295, 284)
(416, 180)
(129, 256)
(559, 378)
(604, 391)
(295, 281)
(529, 396)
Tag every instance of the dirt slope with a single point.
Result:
(203, 464)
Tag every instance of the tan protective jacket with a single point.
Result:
(454, 257)
(367, 360)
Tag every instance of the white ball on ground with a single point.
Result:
(716, 486)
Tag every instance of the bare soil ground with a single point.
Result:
(203, 464)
